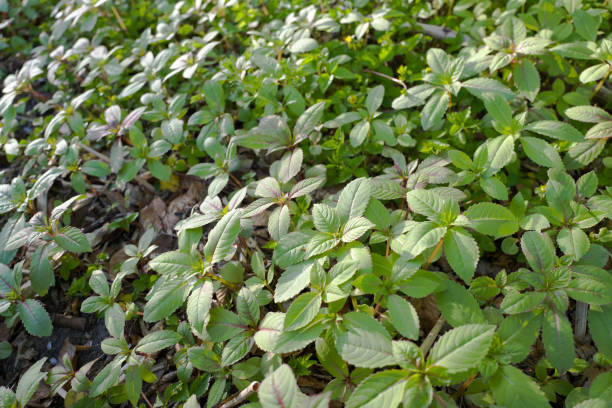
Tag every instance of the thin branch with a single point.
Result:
(601, 83)
(144, 397)
(433, 334)
(119, 19)
(580, 323)
(390, 78)
(239, 397)
(434, 253)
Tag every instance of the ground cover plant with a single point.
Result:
(284, 204)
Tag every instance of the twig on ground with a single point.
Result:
(239, 397)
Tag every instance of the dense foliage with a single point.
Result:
(398, 203)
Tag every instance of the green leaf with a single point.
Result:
(343, 119)
(99, 284)
(573, 242)
(290, 164)
(500, 151)
(172, 130)
(308, 121)
(353, 199)
(292, 281)
(303, 45)
(586, 24)
(589, 114)
(434, 110)
(44, 182)
(458, 306)
(41, 273)
(515, 302)
(222, 237)
(538, 250)
(157, 340)
(29, 382)
(72, 239)
(513, 388)
(224, 324)
(590, 284)
(269, 330)
(214, 95)
(306, 186)
(96, 168)
(484, 88)
(268, 188)
(499, 109)
(278, 222)
(541, 152)
(382, 389)
(492, 219)
(359, 133)
(517, 334)
(461, 252)
(198, 306)
(247, 306)
(437, 60)
(374, 99)
(403, 317)
(425, 202)
(495, 188)
(236, 348)
(582, 154)
(355, 228)
(462, 348)
(301, 312)
(173, 262)
(320, 243)
(114, 320)
(106, 378)
(165, 300)
(600, 131)
(600, 327)
(204, 359)
(279, 389)
(418, 392)
(560, 189)
(133, 384)
(532, 46)
(325, 218)
(291, 249)
(330, 359)
(558, 340)
(35, 318)
(364, 342)
(594, 73)
(527, 79)
(556, 130)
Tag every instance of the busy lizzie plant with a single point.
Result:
(285, 204)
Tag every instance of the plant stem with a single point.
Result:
(390, 78)
(601, 83)
(235, 180)
(433, 334)
(434, 253)
(119, 19)
(464, 386)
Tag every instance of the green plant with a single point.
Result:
(366, 204)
